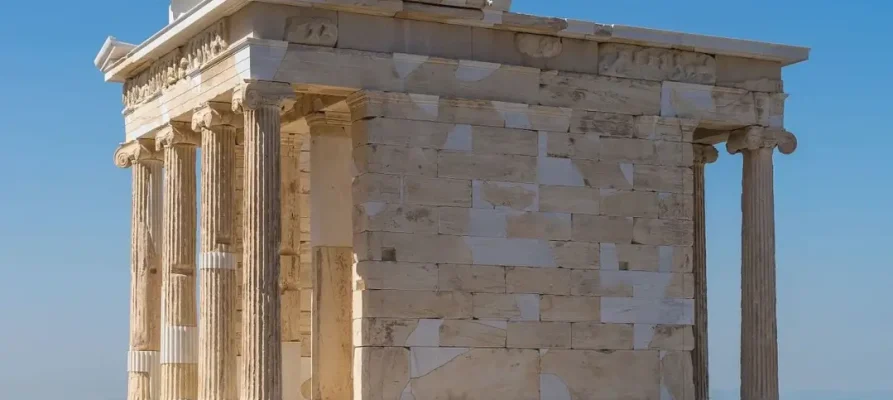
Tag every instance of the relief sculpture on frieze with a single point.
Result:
(311, 30)
(659, 64)
(176, 65)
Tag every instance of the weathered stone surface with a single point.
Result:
(603, 124)
(676, 380)
(675, 206)
(473, 222)
(473, 333)
(538, 280)
(375, 381)
(539, 335)
(383, 331)
(517, 252)
(660, 179)
(629, 284)
(748, 73)
(665, 128)
(598, 336)
(512, 307)
(312, 30)
(538, 51)
(634, 257)
(657, 64)
(396, 160)
(426, 248)
(585, 374)
(715, 107)
(600, 93)
(628, 310)
(478, 374)
(550, 226)
(570, 145)
(569, 308)
(576, 255)
(437, 191)
(624, 203)
(597, 229)
(491, 140)
(395, 35)
(664, 337)
(663, 232)
(770, 109)
(606, 175)
(568, 199)
(411, 304)
(376, 188)
(505, 195)
(407, 218)
(394, 275)
(507, 168)
(471, 278)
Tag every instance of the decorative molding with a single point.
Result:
(177, 133)
(317, 31)
(213, 114)
(136, 151)
(257, 94)
(756, 137)
(538, 46)
(704, 154)
(629, 61)
(176, 65)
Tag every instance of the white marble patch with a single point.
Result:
(627, 170)
(405, 64)
(558, 172)
(459, 138)
(629, 310)
(517, 252)
(529, 305)
(426, 334)
(373, 208)
(643, 334)
(407, 392)
(428, 103)
(291, 371)
(608, 257)
(142, 361)
(514, 114)
(553, 388)
(487, 223)
(665, 257)
(179, 345)
(474, 71)
(423, 360)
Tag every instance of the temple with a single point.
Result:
(437, 200)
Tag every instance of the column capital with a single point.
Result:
(755, 137)
(213, 114)
(176, 133)
(136, 151)
(255, 94)
(704, 153)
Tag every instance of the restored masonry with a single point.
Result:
(431, 199)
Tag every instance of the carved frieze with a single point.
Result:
(317, 31)
(628, 61)
(538, 46)
(176, 65)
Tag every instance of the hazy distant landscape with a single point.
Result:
(813, 395)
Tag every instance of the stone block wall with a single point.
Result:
(508, 251)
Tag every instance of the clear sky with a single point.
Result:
(64, 206)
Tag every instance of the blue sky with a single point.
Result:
(64, 207)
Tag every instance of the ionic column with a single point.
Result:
(759, 336)
(703, 154)
(217, 292)
(331, 232)
(290, 261)
(145, 267)
(261, 373)
(179, 335)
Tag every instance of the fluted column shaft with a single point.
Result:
(217, 372)
(759, 336)
(179, 333)
(703, 155)
(290, 261)
(261, 375)
(145, 278)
